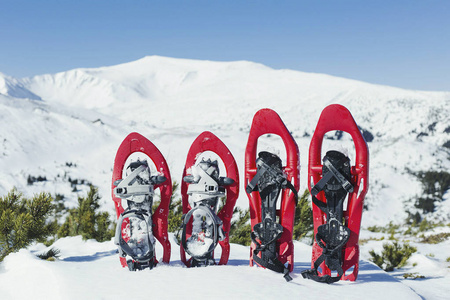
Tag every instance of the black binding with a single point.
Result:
(333, 235)
(269, 180)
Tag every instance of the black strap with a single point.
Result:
(330, 248)
(333, 172)
(252, 184)
(342, 180)
(270, 263)
(134, 265)
(273, 264)
(292, 188)
(314, 275)
(283, 182)
(322, 205)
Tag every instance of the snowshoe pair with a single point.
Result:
(203, 228)
(336, 225)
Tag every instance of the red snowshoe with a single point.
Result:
(203, 228)
(336, 228)
(265, 179)
(137, 226)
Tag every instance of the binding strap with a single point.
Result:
(139, 260)
(278, 176)
(125, 187)
(217, 235)
(269, 180)
(332, 236)
(269, 261)
(333, 172)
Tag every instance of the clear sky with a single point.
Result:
(403, 43)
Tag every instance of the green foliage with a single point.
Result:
(175, 217)
(240, 228)
(303, 224)
(60, 207)
(50, 255)
(434, 184)
(412, 276)
(375, 228)
(84, 220)
(413, 218)
(23, 221)
(390, 228)
(393, 255)
(422, 226)
(364, 241)
(425, 225)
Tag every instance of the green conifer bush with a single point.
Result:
(86, 221)
(23, 221)
(393, 255)
(240, 227)
(303, 224)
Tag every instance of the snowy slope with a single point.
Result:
(69, 125)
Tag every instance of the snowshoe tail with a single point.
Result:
(227, 186)
(336, 226)
(137, 199)
(266, 178)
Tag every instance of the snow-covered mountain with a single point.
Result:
(60, 131)
(71, 123)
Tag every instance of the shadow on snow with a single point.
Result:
(87, 258)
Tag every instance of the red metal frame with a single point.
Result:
(207, 141)
(267, 121)
(337, 117)
(135, 142)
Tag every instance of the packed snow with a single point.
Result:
(66, 128)
(92, 270)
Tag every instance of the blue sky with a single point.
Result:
(398, 43)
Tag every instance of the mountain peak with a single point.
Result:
(12, 87)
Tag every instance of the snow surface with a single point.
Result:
(68, 126)
(91, 270)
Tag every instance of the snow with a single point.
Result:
(68, 126)
(92, 270)
(199, 248)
